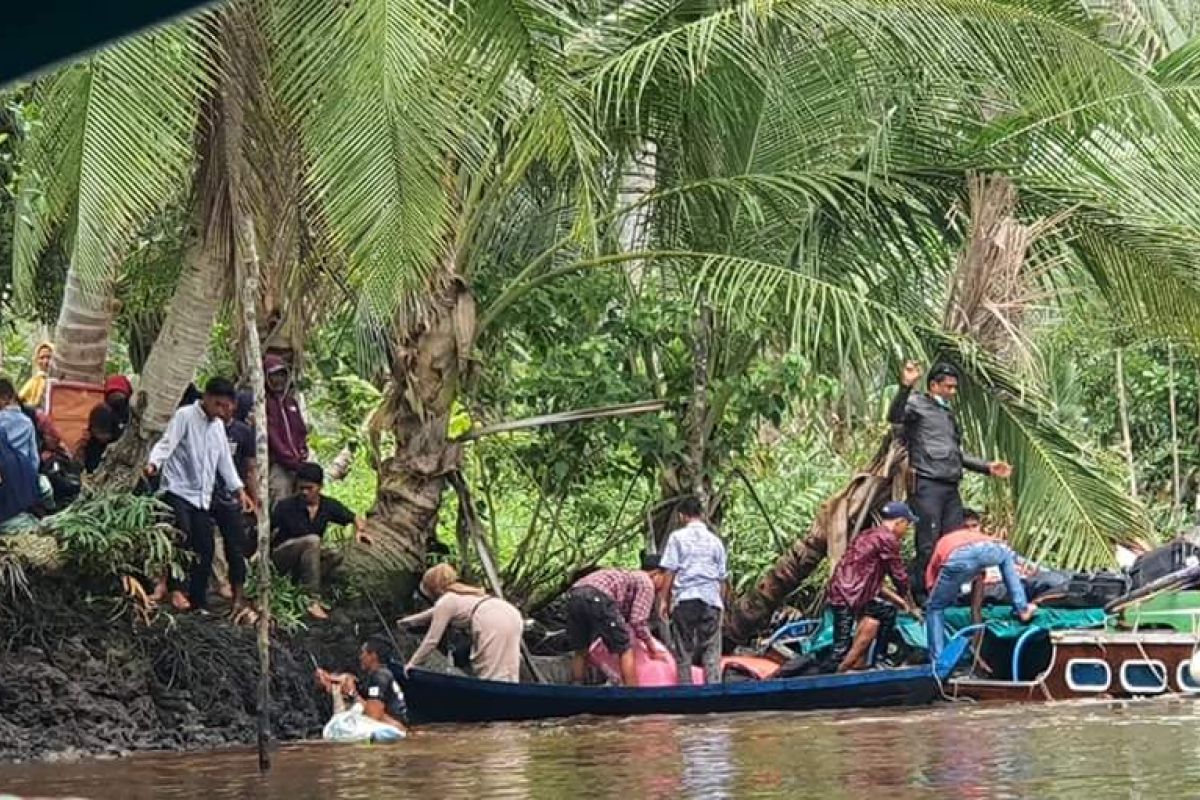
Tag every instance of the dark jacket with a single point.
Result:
(933, 438)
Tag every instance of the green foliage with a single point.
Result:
(116, 533)
(289, 601)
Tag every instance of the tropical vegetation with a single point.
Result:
(753, 212)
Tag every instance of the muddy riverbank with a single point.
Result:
(80, 677)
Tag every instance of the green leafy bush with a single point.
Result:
(117, 533)
(289, 601)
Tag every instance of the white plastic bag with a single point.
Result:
(355, 726)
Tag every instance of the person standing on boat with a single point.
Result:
(601, 604)
(857, 583)
(962, 557)
(496, 626)
(935, 455)
(695, 562)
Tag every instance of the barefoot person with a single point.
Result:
(857, 595)
(190, 456)
(602, 604)
(962, 557)
(299, 522)
(936, 456)
(496, 626)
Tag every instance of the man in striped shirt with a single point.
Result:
(600, 606)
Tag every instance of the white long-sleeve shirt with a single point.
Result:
(191, 454)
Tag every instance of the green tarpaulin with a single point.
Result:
(999, 620)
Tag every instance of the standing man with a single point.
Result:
(190, 455)
(694, 560)
(229, 556)
(287, 435)
(605, 605)
(935, 455)
(856, 590)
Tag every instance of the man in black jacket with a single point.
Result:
(935, 455)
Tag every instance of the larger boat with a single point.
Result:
(1144, 649)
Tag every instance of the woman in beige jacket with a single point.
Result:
(496, 626)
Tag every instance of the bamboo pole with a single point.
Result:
(1123, 409)
(250, 279)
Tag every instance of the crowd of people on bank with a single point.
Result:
(205, 469)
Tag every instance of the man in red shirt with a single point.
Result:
(960, 557)
(857, 584)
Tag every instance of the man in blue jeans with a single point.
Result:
(962, 557)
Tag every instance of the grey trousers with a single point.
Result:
(302, 559)
(696, 636)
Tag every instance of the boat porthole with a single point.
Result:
(1183, 678)
(1144, 677)
(1088, 675)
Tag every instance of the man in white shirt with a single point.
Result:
(694, 558)
(189, 456)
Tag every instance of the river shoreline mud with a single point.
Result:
(81, 676)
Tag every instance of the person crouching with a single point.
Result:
(857, 593)
(601, 604)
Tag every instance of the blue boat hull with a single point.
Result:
(436, 697)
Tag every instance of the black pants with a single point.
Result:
(939, 509)
(196, 525)
(231, 523)
(592, 615)
(844, 620)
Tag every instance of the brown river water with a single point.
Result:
(1096, 750)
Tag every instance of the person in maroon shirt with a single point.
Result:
(857, 584)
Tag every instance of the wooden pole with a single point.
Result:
(1176, 486)
(1123, 409)
(474, 529)
(250, 277)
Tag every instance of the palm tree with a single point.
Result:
(805, 160)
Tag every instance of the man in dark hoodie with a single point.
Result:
(935, 455)
(287, 434)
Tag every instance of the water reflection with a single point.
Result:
(1096, 751)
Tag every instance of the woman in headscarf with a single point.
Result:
(34, 390)
(496, 626)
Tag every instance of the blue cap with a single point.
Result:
(897, 510)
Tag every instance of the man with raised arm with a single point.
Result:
(935, 455)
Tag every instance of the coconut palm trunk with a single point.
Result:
(220, 187)
(81, 334)
(827, 536)
(428, 362)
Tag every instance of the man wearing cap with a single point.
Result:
(287, 434)
(857, 584)
(935, 455)
(960, 557)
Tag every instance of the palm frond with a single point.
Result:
(112, 147)
(381, 133)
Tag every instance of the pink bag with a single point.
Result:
(650, 672)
